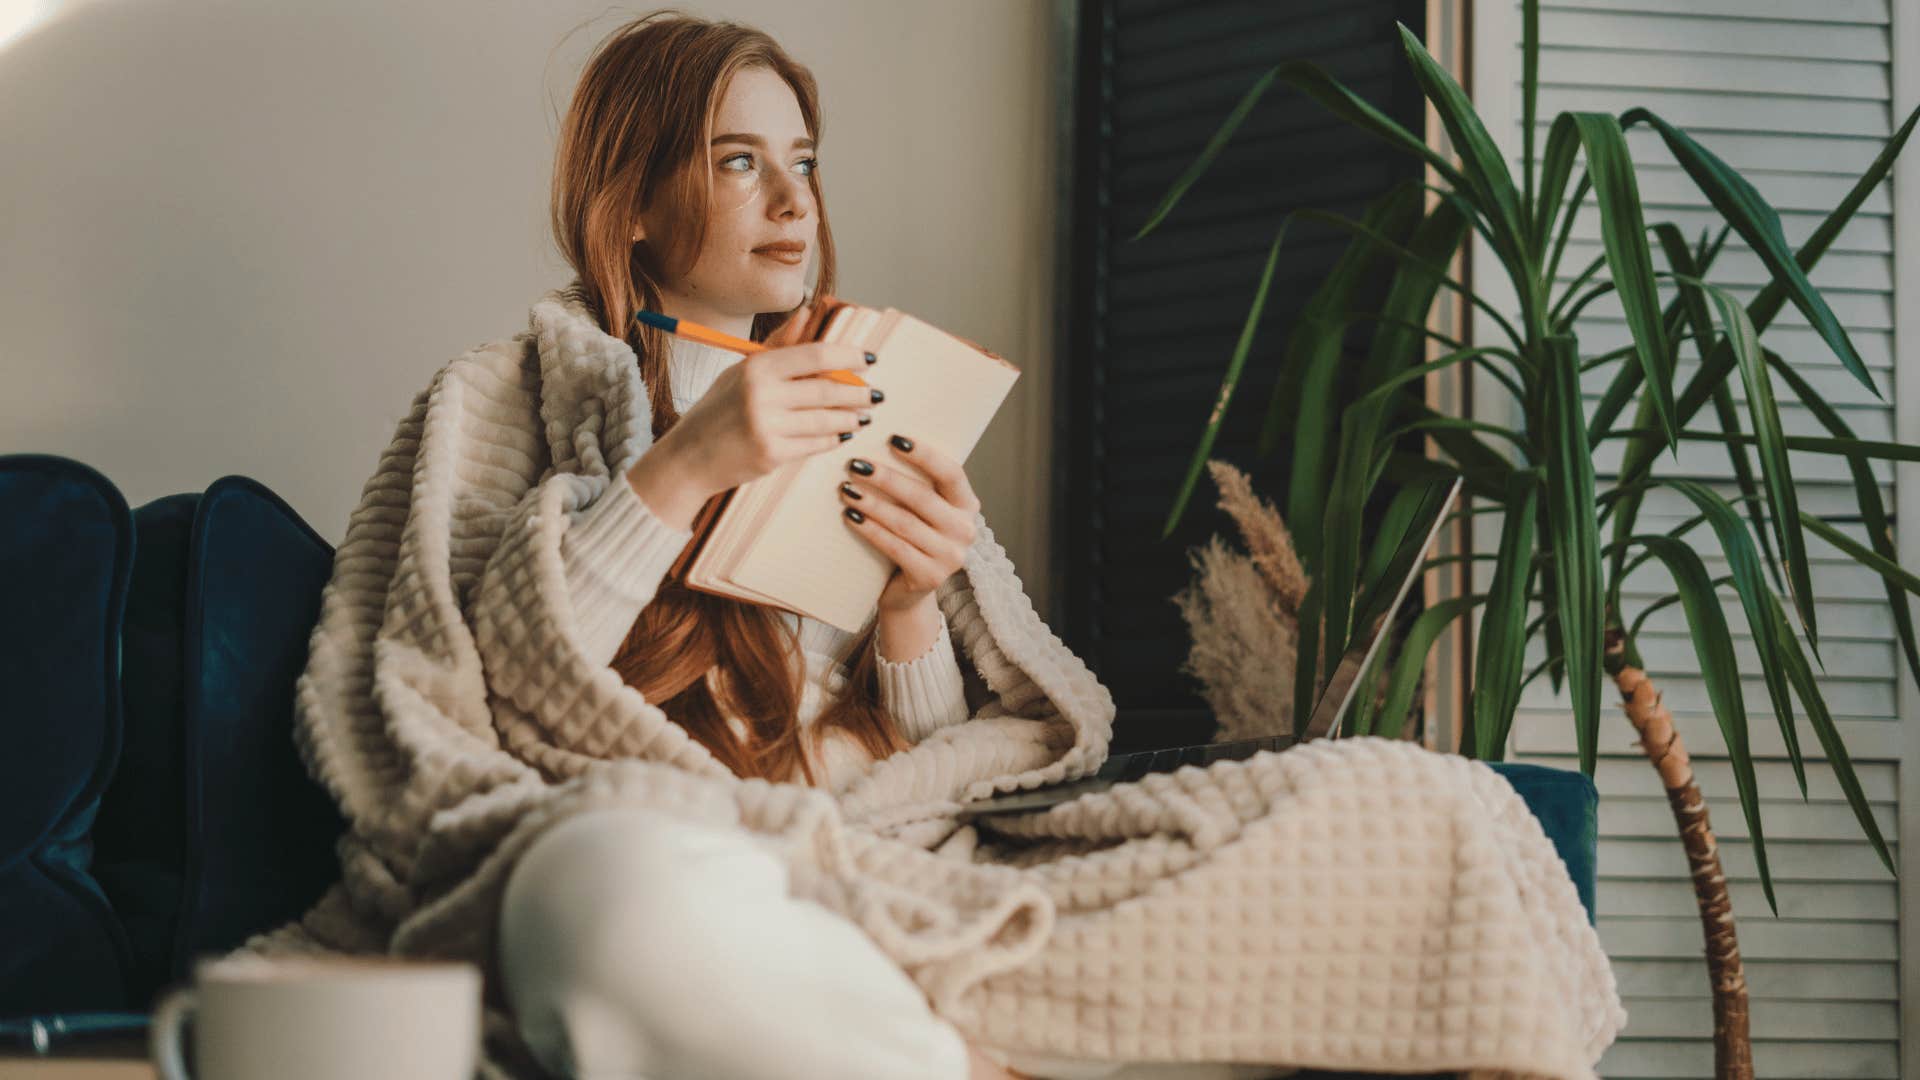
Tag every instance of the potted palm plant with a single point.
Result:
(1539, 476)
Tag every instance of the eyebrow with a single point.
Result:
(755, 140)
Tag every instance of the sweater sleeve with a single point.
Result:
(926, 693)
(615, 552)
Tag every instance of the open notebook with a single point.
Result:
(780, 540)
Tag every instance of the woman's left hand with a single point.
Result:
(917, 508)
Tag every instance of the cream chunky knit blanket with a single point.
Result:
(1352, 904)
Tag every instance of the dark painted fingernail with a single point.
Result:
(865, 419)
(876, 395)
(845, 435)
(871, 359)
(852, 492)
(855, 514)
(861, 466)
(905, 444)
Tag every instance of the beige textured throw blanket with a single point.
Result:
(1354, 904)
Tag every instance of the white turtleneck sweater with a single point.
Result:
(923, 693)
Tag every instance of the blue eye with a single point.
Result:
(812, 164)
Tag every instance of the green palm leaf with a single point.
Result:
(1306, 663)
(1713, 645)
(1664, 602)
(1735, 441)
(1310, 382)
(1346, 502)
(1529, 94)
(1767, 303)
(1485, 166)
(1392, 529)
(1413, 654)
(1237, 361)
(1628, 258)
(1742, 560)
(1818, 444)
(1566, 227)
(1484, 468)
(1865, 556)
(1628, 378)
(1866, 492)
(1431, 262)
(1801, 677)
(1759, 225)
(1503, 639)
(1575, 542)
(1410, 295)
(1776, 472)
(1360, 719)
(1693, 301)
(1312, 80)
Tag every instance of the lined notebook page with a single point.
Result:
(941, 392)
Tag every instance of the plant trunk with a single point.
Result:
(1732, 1046)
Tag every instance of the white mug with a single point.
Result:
(322, 1017)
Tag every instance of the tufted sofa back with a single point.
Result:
(152, 806)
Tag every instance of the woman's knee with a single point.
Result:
(624, 878)
(606, 927)
(635, 942)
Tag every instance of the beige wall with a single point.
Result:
(238, 237)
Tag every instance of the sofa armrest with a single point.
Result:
(1568, 806)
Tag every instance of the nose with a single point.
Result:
(789, 195)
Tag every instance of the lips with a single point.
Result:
(791, 252)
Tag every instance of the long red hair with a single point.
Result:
(637, 130)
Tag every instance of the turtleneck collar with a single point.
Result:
(693, 367)
(568, 334)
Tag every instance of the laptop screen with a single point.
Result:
(1375, 610)
(1376, 607)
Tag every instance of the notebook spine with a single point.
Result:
(702, 528)
(824, 307)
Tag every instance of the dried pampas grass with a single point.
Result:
(1242, 614)
(1244, 642)
(1266, 535)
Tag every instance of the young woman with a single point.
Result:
(723, 240)
(632, 944)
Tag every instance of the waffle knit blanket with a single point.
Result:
(1349, 904)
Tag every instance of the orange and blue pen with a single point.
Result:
(707, 335)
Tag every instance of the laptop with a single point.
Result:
(1375, 612)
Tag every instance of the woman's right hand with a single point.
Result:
(766, 410)
(759, 414)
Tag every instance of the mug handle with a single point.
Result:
(163, 1038)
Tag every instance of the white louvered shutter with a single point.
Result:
(1798, 97)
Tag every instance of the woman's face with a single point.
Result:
(761, 156)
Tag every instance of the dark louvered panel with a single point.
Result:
(1152, 323)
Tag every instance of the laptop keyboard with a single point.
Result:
(1123, 768)
(1127, 767)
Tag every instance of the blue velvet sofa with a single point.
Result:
(152, 806)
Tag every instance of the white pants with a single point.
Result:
(637, 945)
